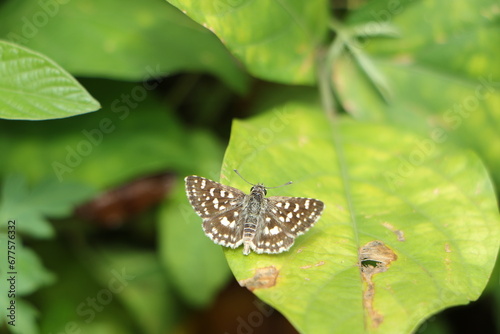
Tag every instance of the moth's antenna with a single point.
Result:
(236, 171)
(289, 182)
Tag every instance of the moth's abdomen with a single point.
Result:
(249, 227)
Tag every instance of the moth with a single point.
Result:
(261, 224)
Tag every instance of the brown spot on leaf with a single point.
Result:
(399, 233)
(320, 263)
(374, 257)
(377, 251)
(264, 278)
(447, 260)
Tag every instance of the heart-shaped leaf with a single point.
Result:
(410, 227)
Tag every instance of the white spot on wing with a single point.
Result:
(224, 221)
(275, 230)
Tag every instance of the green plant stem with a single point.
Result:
(325, 89)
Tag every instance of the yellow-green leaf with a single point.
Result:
(410, 226)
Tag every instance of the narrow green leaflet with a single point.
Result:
(30, 276)
(142, 286)
(410, 226)
(29, 314)
(33, 87)
(30, 268)
(276, 40)
(30, 208)
(442, 70)
(91, 307)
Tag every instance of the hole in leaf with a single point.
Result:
(370, 263)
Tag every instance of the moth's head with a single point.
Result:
(259, 188)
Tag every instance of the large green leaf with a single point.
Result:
(442, 72)
(276, 40)
(410, 227)
(136, 40)
(34, 87)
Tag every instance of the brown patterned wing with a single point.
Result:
(219, 206)
(285, 218)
